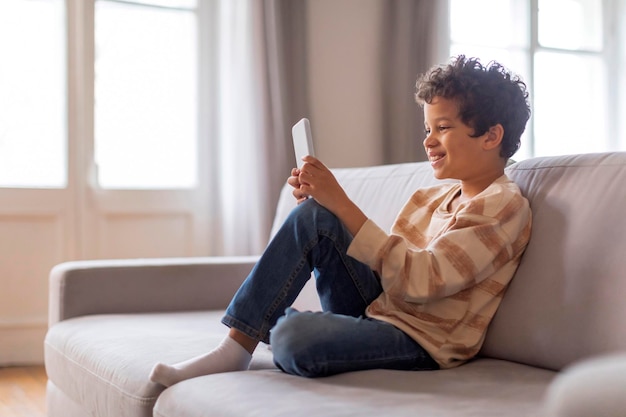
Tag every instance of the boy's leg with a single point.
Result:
(311, 238)
(322, 344)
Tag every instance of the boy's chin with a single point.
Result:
(441, 176)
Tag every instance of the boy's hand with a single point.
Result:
(316, 180)
(294, 181)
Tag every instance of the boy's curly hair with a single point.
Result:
(486, 96)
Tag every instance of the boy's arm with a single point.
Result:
(472, 249)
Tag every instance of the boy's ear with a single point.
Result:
(493, 137)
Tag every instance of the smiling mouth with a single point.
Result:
(432, 157)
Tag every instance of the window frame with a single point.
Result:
(613, 11)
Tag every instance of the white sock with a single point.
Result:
(229, 356)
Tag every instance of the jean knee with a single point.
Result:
(292, 346)
(311, 212)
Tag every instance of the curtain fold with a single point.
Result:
(414, 39)
(260, 93)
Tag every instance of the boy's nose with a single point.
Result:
(429, 141)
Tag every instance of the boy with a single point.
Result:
(420, 298)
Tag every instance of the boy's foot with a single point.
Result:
(229, 356)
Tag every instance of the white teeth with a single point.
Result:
(434, 158)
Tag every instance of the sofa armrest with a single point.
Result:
(593, 387)
(145, 285)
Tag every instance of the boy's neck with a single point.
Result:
(475, 186)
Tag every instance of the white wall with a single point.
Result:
(345, 88)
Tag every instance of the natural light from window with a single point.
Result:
(567, 68)
(33, 129)
(571, 24)
(146, 95)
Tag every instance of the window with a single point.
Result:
(145, 109)
(33, 105)
(145, 94)
(569, 54)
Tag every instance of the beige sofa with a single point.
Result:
(557, 346)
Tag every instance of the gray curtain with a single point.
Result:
(259, 92)
(284, 28)
(414, 39)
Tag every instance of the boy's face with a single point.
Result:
(452, 152)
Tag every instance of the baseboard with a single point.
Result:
(21, 341)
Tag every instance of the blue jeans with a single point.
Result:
(313, 344)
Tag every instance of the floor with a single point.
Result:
(23, 391)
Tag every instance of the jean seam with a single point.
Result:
(282, 295)
(249, 331)
(416, 365)
(353, 359)
(343, 255)
(418, 359)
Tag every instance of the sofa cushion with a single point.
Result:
(593, 387)
(483, 388)
(59, 404)
(565, 302)
(103, 361)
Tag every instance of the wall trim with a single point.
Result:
(21, 341)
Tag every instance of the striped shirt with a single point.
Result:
(444, 272)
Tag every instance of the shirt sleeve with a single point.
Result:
(476, 242)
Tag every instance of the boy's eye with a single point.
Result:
(439, 129)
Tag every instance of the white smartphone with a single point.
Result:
(302, 141)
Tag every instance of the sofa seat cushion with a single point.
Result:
(482, 388)
(103, 361)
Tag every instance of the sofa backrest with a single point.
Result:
(380, 191)
(565, 301)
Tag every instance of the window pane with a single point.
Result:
(33, 94)
(570, 104)
(497, 23)
(145, 92)
(516, 61)
(571, 24)
(179, 4)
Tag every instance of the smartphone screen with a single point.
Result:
(302, 141)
